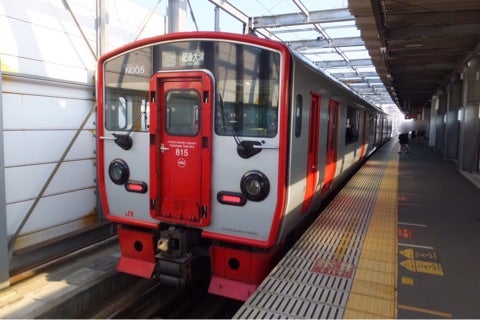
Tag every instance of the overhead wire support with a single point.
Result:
(192, 15)
(239, 15)
(147, 20)
(67, 6)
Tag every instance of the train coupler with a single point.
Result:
(176, 242)
(174, 258)
(173, 271)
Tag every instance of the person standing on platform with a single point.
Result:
(403, 140)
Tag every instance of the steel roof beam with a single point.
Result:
(432, 31)
(231, 10)
(239, 15)
(353, 74)
(343, 63)
(319, 43)
(294, 19)
(275, 25)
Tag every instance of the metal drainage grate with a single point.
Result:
(313, 280)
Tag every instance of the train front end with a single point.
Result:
(191, 155)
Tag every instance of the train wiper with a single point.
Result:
(123, 140)
(245, 148)
(230, 126)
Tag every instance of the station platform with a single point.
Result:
(400, 240)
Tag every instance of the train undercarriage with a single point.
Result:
(173, 255)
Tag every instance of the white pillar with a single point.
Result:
(217, 18)
(4, 256)
(177, 15)
(102, 25)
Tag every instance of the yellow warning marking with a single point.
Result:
(378, 300)
(407, 281)
(423, 267)
(409, 265)
(429, 267)
(407, 253)
(439, 314)
(429, 255)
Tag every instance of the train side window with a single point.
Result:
(352, 125)
(298, 115)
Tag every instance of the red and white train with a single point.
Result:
(220, 141)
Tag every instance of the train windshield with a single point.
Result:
(246, 80)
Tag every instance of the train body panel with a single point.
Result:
(134, 206)
(333, 152)
(227, 175)
(220, 141)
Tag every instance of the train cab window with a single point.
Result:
(122, 112)
(247, 91)
(298, 115)
(352, 125)
(125, 111)
(182, 113)
(247, 82)
(118, 113)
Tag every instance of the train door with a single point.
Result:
(312, 156)
(331, 156)
(364, 135)
(180, 147)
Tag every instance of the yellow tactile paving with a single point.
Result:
(368, 288)
(373, 293)
(344, 266)
(370, 307)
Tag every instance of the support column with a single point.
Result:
(441, 124)
(432, 135)
(470, 130)
(217, 18)
(177, 15)
(452, 125)
(4, 256)
(102, 32)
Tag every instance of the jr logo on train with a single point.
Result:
(217, 145)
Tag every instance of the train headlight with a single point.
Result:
(255, 185)
(118, 171)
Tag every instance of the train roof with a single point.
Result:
(331, 78)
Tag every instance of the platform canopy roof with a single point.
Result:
(418, 46)
(323, 31)
(391, 52)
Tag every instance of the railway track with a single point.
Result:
(148, 299)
